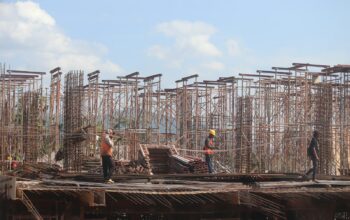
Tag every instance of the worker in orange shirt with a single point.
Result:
(209, 150)
(106, 154)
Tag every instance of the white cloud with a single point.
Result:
(232, 47)
(29, 34)
(158, 51)
(214, 66)
(185, 28)
(35, 14)
(190, 37)
(190, 51)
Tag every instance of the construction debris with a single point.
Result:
(93, 166)
(36, 171)
(165, 159)
(187, 164)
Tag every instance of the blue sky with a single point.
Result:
(176, 38)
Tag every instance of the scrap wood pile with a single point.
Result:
(121, 167)
(36, 171)
(188, 164)
(165, 159)
(130, 167)
(159, 160)
(156, 157)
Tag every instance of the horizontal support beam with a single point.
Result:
(26, 72)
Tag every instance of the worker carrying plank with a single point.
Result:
(106, 154)
(208, 148)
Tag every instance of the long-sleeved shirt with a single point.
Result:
(109, 140)
(107, 145)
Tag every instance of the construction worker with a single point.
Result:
(209, 150)
(106, 154)
(312, 153)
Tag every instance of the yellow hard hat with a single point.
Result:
(212, 132)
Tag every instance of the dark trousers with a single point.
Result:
(108, 166)
(209, 161)
(313, 169)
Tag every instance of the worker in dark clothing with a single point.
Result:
(209, 150)
(312, 152)
(106, 154)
